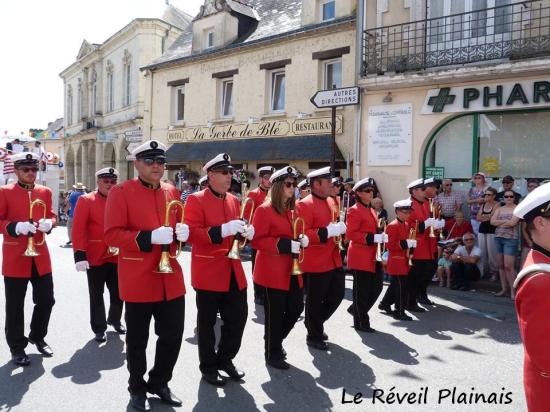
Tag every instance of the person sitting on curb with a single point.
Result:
(464, 268)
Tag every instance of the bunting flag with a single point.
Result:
(8, 166)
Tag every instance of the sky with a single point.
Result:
(40, 38)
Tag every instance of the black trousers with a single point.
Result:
(464, 273)
(233, 310)
(419, 272)
(42, 297)
(397, 293)
(325, 291)
(282, 309)
(367, 286)
(426, 278)
(259, 291)
(169, 319)
(98, 277)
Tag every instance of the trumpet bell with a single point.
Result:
(296, 268)
(234, 252)
(30, 251)
(164, 264)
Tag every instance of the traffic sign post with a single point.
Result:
(347, 96)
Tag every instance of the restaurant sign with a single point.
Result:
(266, 128)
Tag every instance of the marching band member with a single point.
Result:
(220, 282)
(258, 196)
(134, 214)
(303, 188)
(532, 304)
(203, 182)
(362, 231)
(17, 267)
(322, 263)
(274, 240)
(398, 266)
(93, 255)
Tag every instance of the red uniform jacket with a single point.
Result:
(454, 231)
(362, 224)
(273, 233)
(322, 254)
(420, 214)
(88, 230)
(398, 264)
(14, 208)
(533, 306)
(258, 197)
(211, 269)
(132, 212)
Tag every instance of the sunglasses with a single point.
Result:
(158, 160)
(224, 172)
(369, 190)
(468, 240)
(28, 169)
(107, 180)
(290, 184)
(488, 194)
(448, 184)
(508, 197)
(507, 182)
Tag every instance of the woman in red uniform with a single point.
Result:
(362, 227)
(275, 245)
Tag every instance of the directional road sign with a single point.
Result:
(347, 96)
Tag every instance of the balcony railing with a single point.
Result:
(513, 31)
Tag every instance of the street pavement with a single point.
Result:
(469, 343)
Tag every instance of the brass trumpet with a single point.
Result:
(381, 247)
(432, 214)
(164, 263)
(337, 239)
(240, 242)
(31, 250)
(412, 235)
(111, 251)
(297, 235)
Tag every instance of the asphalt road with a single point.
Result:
(468, 343)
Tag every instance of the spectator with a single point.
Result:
(450, 201)
(186, 190)
(203, 182)
(17, 147)
(457, 227)
(444, 269)
(506, 241)
(378, 206)
(348, 197)
(465, 263)
(476, 197)
(335, 189)
(526, 242)
(508, 184)
(486, 235)
(79, 190)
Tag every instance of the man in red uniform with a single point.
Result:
(219, 281)
(532, 303)
(93, 255)
(134, 223)
(399, 246)
(258, 196)
(322, 265)
(18, 269)
(362, 232)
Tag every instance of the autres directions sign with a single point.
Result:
(347, 96)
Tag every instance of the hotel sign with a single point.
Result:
(267, 128)
(512, 95)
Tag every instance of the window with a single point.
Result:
(328, 10)
(226, 102)
(69, 105)
(127, 84)
(179, 104)
(209, 39)
(93, 96)
(277, 94)
(332, 74)
(110, 92)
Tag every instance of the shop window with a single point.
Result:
(327, 10)
(332, 78)
(226, 97)
(277, 93)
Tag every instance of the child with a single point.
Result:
(444, 269)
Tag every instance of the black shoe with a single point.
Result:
(464, 288)
(42, 347)
(139, 401)
(317, 344)
(425, 301)
(402, 316)
(455, 287)
(350, 309)
(100, 337)
(385, 308)
(278, 363)
(20, 359)
(283, 352)
(119, 328)
(166, 396)
(231, 371)
(416, 308)
(324, 336)
(214, 378)
(364, 328)
(68, 243)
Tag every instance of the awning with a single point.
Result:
(259, 149)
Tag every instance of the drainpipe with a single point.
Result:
(149, 74)
(359, 26)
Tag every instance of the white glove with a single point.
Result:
(380, 238)
(249, 232)
(182, 232)
(233, 227)
(439, 224)
(304, 241)
(294, 247)
(333, 229)
(45, 225)
(23, 228)
(82, 266)
(162, 236)
(411, 243)
(429, 222)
